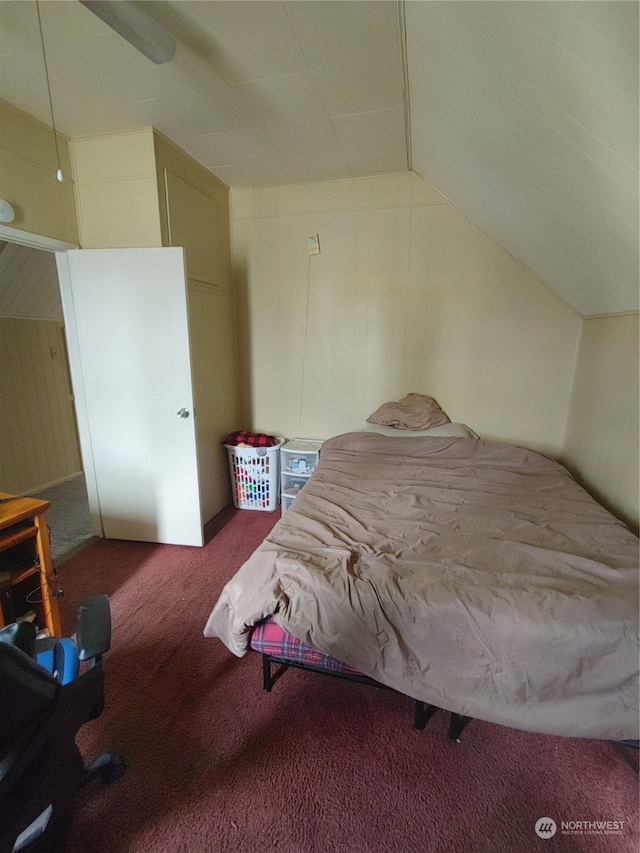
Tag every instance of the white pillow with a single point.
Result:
(454, 430)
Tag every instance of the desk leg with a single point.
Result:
(46, 576)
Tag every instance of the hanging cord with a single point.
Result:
(59, 174)
(406, 95)
(53, 588)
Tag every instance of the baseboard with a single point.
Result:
(37, 489)
(67, 555)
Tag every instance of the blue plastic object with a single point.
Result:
(46, 659)
(61, 660)
(68, 662)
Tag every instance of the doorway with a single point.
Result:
(40, 454)
(68, 518)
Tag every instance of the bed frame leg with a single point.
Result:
(457, 723)
(422, 714)
(267, 680)
(269, 677)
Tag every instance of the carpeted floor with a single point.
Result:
(216, 765)
(68, 518)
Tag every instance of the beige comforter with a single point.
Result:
(476, 576)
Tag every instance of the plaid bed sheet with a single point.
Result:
(270, 639)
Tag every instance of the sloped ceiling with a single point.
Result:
(28, 283)
(523, 114)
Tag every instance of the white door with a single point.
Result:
(127, 322)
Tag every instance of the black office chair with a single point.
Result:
(44, 701)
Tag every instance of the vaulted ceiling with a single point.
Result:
(523, 114)
(28, 283)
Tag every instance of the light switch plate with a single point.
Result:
(314, 245)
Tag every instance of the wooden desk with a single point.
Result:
(27, 578)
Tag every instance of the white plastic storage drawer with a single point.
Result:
(300, 456)
(298, 461)
(285, 502)
(292, 483)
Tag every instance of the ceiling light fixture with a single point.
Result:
(7, 213)
(141, 32)
(59, 174)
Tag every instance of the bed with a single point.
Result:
(470, 575)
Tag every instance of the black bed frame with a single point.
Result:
(422, 710)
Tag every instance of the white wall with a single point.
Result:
(43, 205)
(407, 294)
(116, 190)
(603, 430)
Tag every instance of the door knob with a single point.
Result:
(183, 413)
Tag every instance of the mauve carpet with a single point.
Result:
(319, 764)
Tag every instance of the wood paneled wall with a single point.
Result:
(39, 445)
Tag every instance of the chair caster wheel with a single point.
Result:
(114, 770)
(109, 768)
